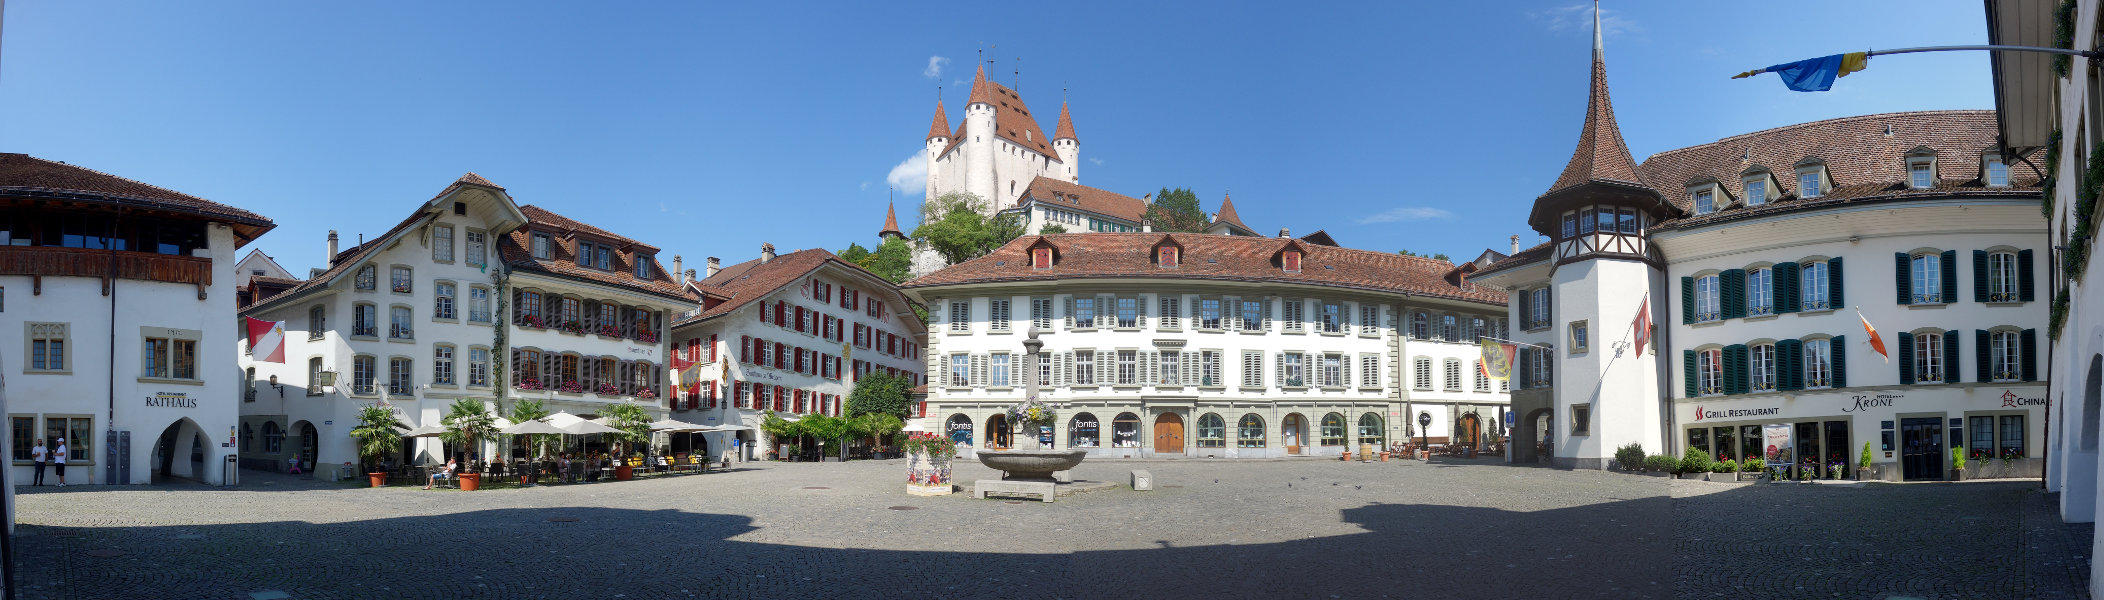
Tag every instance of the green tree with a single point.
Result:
(530, 409)
(468, 422)
(893, 260)
(376, 435)
(878, 426)
(956, 226)
(831, 430)
(779, 429)
(879, 393)
(1441, 256)
(854, 254)
(1176, 210)
(1052, 229)
(633, 423)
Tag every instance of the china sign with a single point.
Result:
(2011, 400)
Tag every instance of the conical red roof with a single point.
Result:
(891, 222)
(1065, 130)
(981, 92)
(1601, 154)
(941, 126)
(1227, 213)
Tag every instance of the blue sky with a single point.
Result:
(706, 129)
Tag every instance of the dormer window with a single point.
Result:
(542, 245)
(1167, 256)
(1996, 171)
(584, 254)
(1921, 173)
(643, 262)
(1705, 202)
(1811, 181)
(1041, 258)
(1757, 191)
(1292, 261)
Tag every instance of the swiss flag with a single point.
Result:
(1643, 326)
(266, 340)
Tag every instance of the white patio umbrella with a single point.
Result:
(425, 431)
(534, 427)
(675, 426)
(562, 419)
(583, 427)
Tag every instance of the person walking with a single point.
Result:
(37, 455)
(58, 461)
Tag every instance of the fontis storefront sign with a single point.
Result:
(1736, 413)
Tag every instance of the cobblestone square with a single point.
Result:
(1299, 528)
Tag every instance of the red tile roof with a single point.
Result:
(1213, 258)
(891, 221)
(1065, 129)
(349, 257)
(22, 174)
(941, 126)
(1601, 155)
(1012, 120)
(562, 260)
(746, 282)
(1227, 213)
(1056, 192)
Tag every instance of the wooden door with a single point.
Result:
(1168, 434)
(1291, 433)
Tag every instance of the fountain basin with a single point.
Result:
(1031, 464)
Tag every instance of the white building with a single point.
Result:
(482, 299)
(788, 334)
(121, 291)
(1741, 248)
(258, 264)
(1207, 345)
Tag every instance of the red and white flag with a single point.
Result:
(1643, 326)
(266, 340)
(1876, 342)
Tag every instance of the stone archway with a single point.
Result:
(178, 453)
(1468, 431)
(2078, 501)
(304, 442)
(1532, 429)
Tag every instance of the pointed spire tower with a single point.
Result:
(940, 129)
(891, 224)
(1068, 148)
(1601, 168)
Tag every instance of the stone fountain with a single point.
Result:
(1037, 463)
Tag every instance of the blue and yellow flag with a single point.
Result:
(1815, 74)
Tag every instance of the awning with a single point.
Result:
(2024, 81)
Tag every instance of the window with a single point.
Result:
(1332, 430)
(1476, 375)
(1369, 319)
(478, 248)
(1421, 369)
(1044, 369)
(1449, 328)
(1369, 370)
(1540, 370)
(1295, 316)
(363, 373)
(997, 314)
(961, 316)
(317, 323)
(606, 257)
(1585, 221)
(643, 263)
(1628, 220)
(1209, 368)
(399, 280)
(1579, 339)
(1370, 430)
(1757, 191)
(1926, 276)
(367, 279)
(999, 371)
(543, 246)
(2006, 354)
(1084, 367)
(478, 305)
(1928, 358)
(1084, 431)
(1041, 258)
(1128, 312)
(1333, 370)
(2002, 277)
(314, 376)
(1997, 171)
(24, 429)
(1209, 313)
(1253, 313)
(1760, 291)
(1706, 303)
(1761, 371)
(2011, 437)
(1169, 373)
(1128, 367)
(1250, 432)
(1168, 256)
(1570, 225)
(398, 376)
(478, 366)
(1709, 369)
(1581, 419)
(1084, 312)
(1921, 173)
(1291, 261)
(1212, 431)
(442, 301)
(173, 355)
(1171, 312)
(442, 364)
(1293, 373)
(1539, 308)
(442, 244)
(1453, 374)
(1421, 325)
(1253, 368)
(1705, 202)
(47, 347)
(1811, 276)
(1332, 317)
(1606, 214)
(1809, 184)
(365, 320)
(1818, 363)
(398, 324)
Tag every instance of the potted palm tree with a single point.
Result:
(467, 422)
(878, 426)
(635, 427)
(529, 409)
(376, 437)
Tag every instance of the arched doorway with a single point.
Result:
(1372, 431)
(1526, 439)
(178, 453)
(2078, 504)
(1168, 434)
(1469, 431)
(1291, 429)
(1083, 431)
(307, 445)
(997, 435)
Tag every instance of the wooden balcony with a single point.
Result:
(42, 261)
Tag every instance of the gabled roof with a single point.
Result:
(25, 175)
(562, 261)
(355, 255)
(1320, 238)
(1056, 192)
(1536, 254)
(1210, 257)
(749, 281)
(1065, 129)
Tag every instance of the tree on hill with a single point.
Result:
(1436, 256)
(956, 225)
(1176, 210)
(854, 254)
(1052, 229)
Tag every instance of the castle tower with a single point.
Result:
(938, 139)
(979, 137)
(891, 224)
(1596, 214)
(1067, 146)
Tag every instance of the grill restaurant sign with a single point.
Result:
(1737, 413)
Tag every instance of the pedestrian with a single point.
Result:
(37, 455)
(58, 461)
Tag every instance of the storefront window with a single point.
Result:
(2012, 437)
(1837, 455)
(1370, 430)
(1212, 431)
(1083, 431)
(960, 427)
(1698, 439)
(1724, 441)
(1250, 432)
(1125, 431)
(1333, 429)
(1750, 442)
(1981, 446)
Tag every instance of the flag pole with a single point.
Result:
(1516, 343)
(2089, 54)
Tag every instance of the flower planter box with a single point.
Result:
(379, 479)
(624, 473)
(470, 482)
(927, 475)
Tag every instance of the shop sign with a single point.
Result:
(2011, 400)
(1735, 413)
(956, 426)
(1777, 438)
(1865, 402)
(763, 376)
(644, 352)
(171, 400)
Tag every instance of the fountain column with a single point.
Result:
(1031, 346)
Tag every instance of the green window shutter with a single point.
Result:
(2023, 276)
(1787, 285)
(1906, 357)
(1735, 369)
(1833, 284)
(1734, 293)
(1950, 276)
(1789, 364)
(1900, 278)
(2026, 342)
(1979, 275)
(1687, 300)
(1687, 372)
(1951, 356)
(1839, 353)
(1983, 360)
(1526, 306)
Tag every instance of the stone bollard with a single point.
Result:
(1142, 481)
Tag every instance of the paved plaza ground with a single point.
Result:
(1293, 528)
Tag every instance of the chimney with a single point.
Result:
(1515, 244)
(1282, 233)
(714, 266)
(690, 276)
(677, 268)
(766, 253)
(331, 259)
(1146, 225)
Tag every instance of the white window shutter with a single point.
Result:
(1188, 368)
(979, 371)
(1106, 367)
(1066, 368)
(1070, 312)
(1344, 366)
(1281, 369)
(1150, 368)
(1266, 307)
(942, 370)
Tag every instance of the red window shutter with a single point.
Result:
(766, 314)
(781, 355)
(798, 319)
(781, 309)
(781, 399)
(745, 349)
(712, 347)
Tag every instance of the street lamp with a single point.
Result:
(1424, 438)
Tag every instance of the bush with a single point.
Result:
(1661, 463)
(1631, 457)
(1696, 461)
(1727, 466)
(1958, 457)
(1865, 462)
(1751, 465)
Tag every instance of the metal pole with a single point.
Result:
(1998, 48)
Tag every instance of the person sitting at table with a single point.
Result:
(496, 467)
(444, 473)
(562, 465)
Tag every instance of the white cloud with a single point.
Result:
(910, 177)
(1096, 161)
(1406, 213)
(865, 186)
(1580, 16)
(935, 65)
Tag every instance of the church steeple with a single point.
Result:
(1601, 164)
(891, 224)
